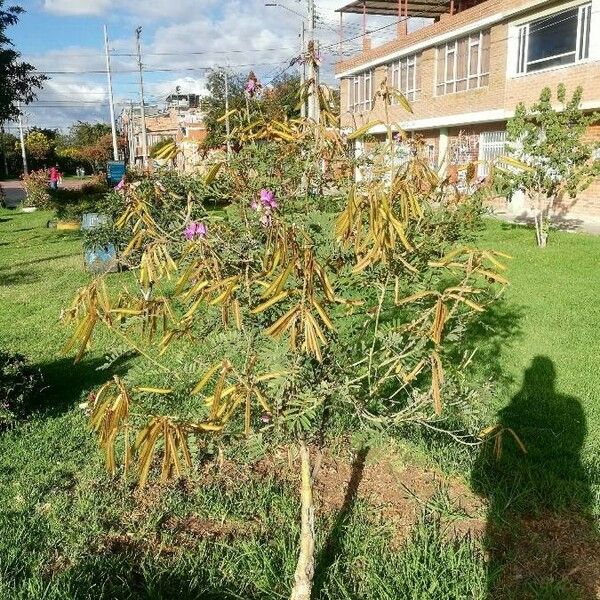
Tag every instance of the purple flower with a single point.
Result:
(266, 418)
(265, 206)
(250, 86)
(267, 197)
(397, 137)
(195, 230)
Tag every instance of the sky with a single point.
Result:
(180, 40)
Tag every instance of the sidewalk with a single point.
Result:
(572, 224)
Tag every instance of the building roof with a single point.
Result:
(416, 8)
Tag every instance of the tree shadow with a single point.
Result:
(65, 382)
(540, 538)
(19, 277)
(489, 336)
(334, 543)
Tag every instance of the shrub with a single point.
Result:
(19, 383)
(36, 189)
(290, 312)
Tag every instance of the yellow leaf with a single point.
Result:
(265, 305)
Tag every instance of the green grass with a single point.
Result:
(68, 531)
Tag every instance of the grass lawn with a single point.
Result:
(68, 531)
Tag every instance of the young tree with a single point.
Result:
(286, 312)
(556, 159)
(18, 80)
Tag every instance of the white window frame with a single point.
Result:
(410, 90)
(582, 42)
(492, 145)
(360, 92)
(451, 50)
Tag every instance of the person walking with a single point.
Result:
(55, 177)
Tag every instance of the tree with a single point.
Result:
(290, 313)
(18, 80)
(214, 104)
(279, 101)
(555, 160)
(89, 143)
(10, 162)
(87, 134)
(38, 146)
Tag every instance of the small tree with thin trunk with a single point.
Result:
(285, 313)
(557, 161)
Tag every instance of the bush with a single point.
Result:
(36, 189)
(96, 184)
(70, 205)
(19, 383)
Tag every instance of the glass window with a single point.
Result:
(360, 96)
(557, 40)
(463, 64)
(404, 75)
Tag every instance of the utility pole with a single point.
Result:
(131, 135)
(227, 125)
(302, 66)
(111, 101)
(138, 31)
(313, 47)
(22, 138)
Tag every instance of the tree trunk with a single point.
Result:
(305, 568)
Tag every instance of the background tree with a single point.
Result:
(278, 101)
(88, 144)
(551, 143)
(10, 159)
(214, 104)
(38, 146)
(18, 80)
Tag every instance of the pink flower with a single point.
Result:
(266, 418)
(267, 197)
(265, 206)
(195, 230)
(253, 86)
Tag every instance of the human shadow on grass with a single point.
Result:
(334, 543)
(539, 536)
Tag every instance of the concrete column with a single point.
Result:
(443, 149)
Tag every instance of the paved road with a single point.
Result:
(15, 194)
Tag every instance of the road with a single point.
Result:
(15, 194)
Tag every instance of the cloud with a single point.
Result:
(77, 7)
(181, 39)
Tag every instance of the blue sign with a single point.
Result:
(115, 171)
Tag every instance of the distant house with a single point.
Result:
(181, 120)
(466, 69)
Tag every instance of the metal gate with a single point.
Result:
(492, 145)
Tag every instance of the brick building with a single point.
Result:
(180, 120)
(467, 68)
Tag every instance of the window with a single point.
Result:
(463, 64)
(405, 76)
(360, 92)
(557, 40)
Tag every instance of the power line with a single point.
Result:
(151, 70)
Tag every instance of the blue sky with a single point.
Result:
(180, 39)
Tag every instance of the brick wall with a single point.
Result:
(503, 93)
